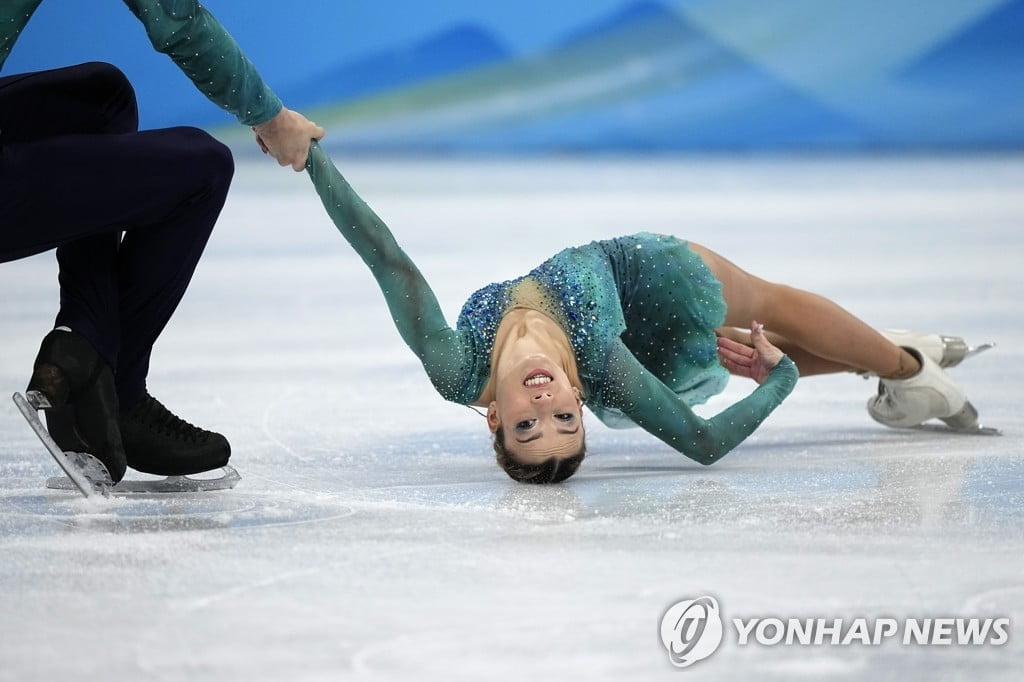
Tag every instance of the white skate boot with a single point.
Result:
(946, 351)
(929, 394)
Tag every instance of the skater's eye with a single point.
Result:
(565, 417)
(525, 425)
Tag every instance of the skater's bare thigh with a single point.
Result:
(744, 294)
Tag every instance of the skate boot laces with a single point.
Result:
(158, 420)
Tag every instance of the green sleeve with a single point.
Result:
(658, 410)
(414, 308)
(191, 36)
(14, 14)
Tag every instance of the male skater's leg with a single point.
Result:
(171, 187)
(155, 265)
(165, 189)
(74, 369)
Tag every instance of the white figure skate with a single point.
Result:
(946, 351)
(929, 394)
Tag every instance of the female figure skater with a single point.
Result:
(628, 327)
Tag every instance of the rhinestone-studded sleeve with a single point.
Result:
(658, 410)
(209, 56)
(447, 359)
(14, 14)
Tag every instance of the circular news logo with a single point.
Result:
(691, 630)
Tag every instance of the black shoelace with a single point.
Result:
(152, 414)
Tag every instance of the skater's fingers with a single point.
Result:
(743, 355)
(262, 145)
(734, 368)
(735, 358)
(741, 352)
(770, 355)
(744, 369)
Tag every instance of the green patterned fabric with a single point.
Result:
(193, 38)
(640, 312)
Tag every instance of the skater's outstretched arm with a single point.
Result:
(658, 410)
(206, 53)
(414, 308)
(204, 50)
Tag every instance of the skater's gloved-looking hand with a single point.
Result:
(753, 362)
(286, 137)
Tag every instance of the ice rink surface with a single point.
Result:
(372, 537)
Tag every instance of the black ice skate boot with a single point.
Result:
(158, 442)
(79, 387)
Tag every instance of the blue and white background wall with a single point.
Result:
(609, 76)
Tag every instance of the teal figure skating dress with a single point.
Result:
(639, 311)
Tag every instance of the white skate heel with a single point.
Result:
(946, 351)
(929, 394)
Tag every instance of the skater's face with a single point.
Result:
(539, 410)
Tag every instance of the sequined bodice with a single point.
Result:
(575, 289)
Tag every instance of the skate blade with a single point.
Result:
(977, 430)
(172, 484)
(977, 350)
(84, 472)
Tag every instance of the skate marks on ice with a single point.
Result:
(143, 503)
(895, 479)
(1007, 600)
(477, 648)
(284, 397)
(160, 512)
(300, 604)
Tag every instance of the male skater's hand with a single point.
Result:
(746, 361)
(286, 137)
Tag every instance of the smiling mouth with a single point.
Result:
(537, 378)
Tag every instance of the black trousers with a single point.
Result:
(128, 211)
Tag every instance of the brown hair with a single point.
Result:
(552, 470)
